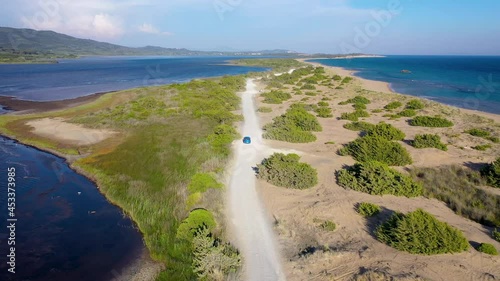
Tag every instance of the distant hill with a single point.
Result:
(16, 43)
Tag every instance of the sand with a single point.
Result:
(352, 246)
(59, 130)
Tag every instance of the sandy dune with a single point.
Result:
(57, 129)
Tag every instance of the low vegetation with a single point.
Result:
(275, 64)
(328, 225)
(286, 171)
(482, 147)
(419, 232)
(487, 249)
(367, 209)
(324, 112)
(354, 116)
(386, 131)
(359, 126)
(407, 113)
(457, 187)
(377, 148)
(428, 121)
(482, 134)
(265, 109)
(496, 234)
(491, 173)
(294, 126)
(428, 141)
(393, 105)
(378, 179)
(415, 105)
(275, 97)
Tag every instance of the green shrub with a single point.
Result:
(359, 106)
(377, 111)
(354, 116)
(493, 139)
(308, 87)
(376, 148)
(408, 113)
(492, 173)
(496, 234)
(201, 182)
(323, 103)
(222, 137)
(196, 220)
(265, 109)
(378, 179)
(487, 249)
(275, 97)
(428, 121)
(386, 131)
(307, 107)
(311, 94)
(336, 78)
(427, 141)
(324, 112)
(293, 126)
(346, 80)
(328, 226)
(478, 133)
(330, 142)
(286, 171)
(457, 187)
(482, 147)
(368, 209)
(326, 98)
(419, 232)
(359, 126)
(393, 105)
(359, 99)
(415, 105)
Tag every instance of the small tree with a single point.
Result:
(286, 171)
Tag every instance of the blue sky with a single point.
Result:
(332, 26)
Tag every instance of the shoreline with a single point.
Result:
(385, 87)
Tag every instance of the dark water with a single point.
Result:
(75, 78)
(58, 237)
(466, 82)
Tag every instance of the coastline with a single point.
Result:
(384, 87)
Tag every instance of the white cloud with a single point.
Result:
(148, 28)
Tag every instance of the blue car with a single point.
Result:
(247, 140)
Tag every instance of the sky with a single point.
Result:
(419, 27)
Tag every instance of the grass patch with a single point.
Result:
(482, 147)
(456, 186)
(428, 121)
(393, 105)
(376, 148)
(487, 249)
(354, 116)
(359, 126)
(415, 105)
(427, 141)
(407, 113)
(294, 126)
(328, 226)
(368, 209)
(419, 232)
(482, 134)
(286, 171)
(378, 179)
(324, 112)
(265, 109)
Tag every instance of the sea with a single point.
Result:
(471, 82)
(64, 228)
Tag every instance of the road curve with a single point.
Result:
(248, 218)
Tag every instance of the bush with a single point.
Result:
(354, 116)
(359, 106)
(496, 235)
(367, 209)
(487, 249)
(346, 80)
(328, 226)
(196, 220)
(407, 113)
(428, 121)
(478, 133)
(386, 131)
(308, 87)
(376, 148)
(264, 109)
(427, 141)
(419, 232)
(201, 182)
(457, 187)
(377, 111)
(393, 105)
(323, 103)
(359, 99)
(378, 179)
(336, 78)
(482, 147)
(275, 97)
(492, 173)
(222, 137)
(359, 126)
(286, 171)
(293, 126)
(415, 105)
(324, 112)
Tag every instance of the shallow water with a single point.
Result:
(65, 229)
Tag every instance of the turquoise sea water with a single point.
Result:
(462, 81)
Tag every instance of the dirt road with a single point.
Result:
(248, 218)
